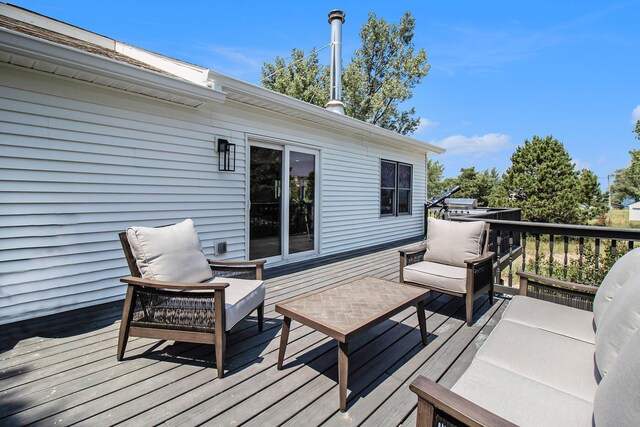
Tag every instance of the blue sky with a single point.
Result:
(501, 71)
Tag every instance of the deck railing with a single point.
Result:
(577, 253)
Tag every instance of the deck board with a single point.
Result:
(62, 370)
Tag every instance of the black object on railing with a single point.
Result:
(436, 203)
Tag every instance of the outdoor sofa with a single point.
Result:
(548, 364)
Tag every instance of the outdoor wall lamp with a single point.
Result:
(226, 155)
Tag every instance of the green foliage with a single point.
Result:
(542, 182)
(380, 77)
(435, 171)
(383, 73)
(637, 129)
(590, 275)
(593, 202)
(303, 79)
(627, 181)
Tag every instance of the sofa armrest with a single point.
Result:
(486, 257)
(411, 250)
(410, 255)
(530, 277)
(254, 263)
(432, 397)
(157, 284)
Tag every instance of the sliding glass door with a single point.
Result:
(282, 219)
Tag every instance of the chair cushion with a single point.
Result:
(170, 254)
(241, 297)
(623, 269)
(618, 324)
(616, 402)
(451, 242)
(521, 400)
(557, 361)
(437, 276)
(556, 318)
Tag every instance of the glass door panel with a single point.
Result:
(265, 216)
(301, 202)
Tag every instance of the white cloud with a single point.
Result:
(475, 146)
(635, 115)
(579, 164)
(425, 124)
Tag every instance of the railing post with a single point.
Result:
(551, 238)
(566, 257)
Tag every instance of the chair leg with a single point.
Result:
(261, 317)
(469, 308)
(221, 347)
(127, 312)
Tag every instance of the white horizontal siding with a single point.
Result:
(78, 164)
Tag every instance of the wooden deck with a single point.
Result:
(63, 370)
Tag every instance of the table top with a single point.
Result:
(343, 311)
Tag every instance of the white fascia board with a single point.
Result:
(32, 47)
(349, 124)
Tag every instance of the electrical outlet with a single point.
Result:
(221, 248)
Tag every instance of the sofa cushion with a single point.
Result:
(436, 275)
(170, 254)
(554, 360)
(618, 324)
(451, 242)
(519, 399)
(616, 402)
(623, 269)
(556, 318)
(241, 297)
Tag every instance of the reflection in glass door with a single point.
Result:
(265, 215)
(301, 202)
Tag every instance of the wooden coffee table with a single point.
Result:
(345, 311)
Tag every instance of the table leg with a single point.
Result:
(284, 337)
(422, 321)
(343, 373)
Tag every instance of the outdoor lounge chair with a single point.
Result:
(454, 260)
(550, 363)
(175, 293)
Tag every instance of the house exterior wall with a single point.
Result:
(634, 212)
(79, 163)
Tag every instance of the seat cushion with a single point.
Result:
(170, 254)
(437, 276)
(623, 269)
(451, 242)
(616, 402)
(563, 363)
(619, 323)
(521, 400)
(556, 318)
(241, 297)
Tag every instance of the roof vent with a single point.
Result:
(336, 19)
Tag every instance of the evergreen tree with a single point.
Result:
(637, 130)
(435, 171)
(593, 202)
(626, 186)
(542, 181)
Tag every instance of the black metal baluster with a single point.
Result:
(537, 261)
(580, 261)
(498, 253)
(566, 257)
(510, 258)
(523, 238)
(551, 237)
(596, 278)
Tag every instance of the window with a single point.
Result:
(395, 188)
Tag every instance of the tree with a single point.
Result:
(304, 79)
(627, 181)
(435, 171)
(637, 130)
(592, 201)
(542, 181)
(380, 77)
(474, 184)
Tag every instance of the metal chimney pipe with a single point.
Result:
(336, 19)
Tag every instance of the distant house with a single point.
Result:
(97, 135)
(634, 211)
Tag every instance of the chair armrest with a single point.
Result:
(138, 281)
(557, 282)
(479, 260)
(255, 262)
(412, 250)
(455, 406)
